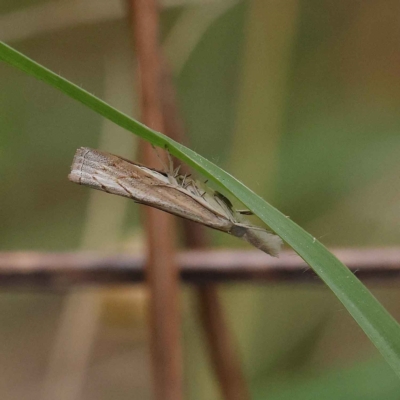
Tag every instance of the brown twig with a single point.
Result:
(62, 270)
(223, 351)
(162, 274)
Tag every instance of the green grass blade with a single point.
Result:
(372, 317)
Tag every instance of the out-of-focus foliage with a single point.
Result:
(7, 6)
(326, 72)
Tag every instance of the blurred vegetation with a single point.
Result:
(319, 82)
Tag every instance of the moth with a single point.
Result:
(176, 194)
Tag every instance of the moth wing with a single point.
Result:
(262, 239)
(104, 171)
(177, 201)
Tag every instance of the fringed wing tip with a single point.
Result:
(265, 241)
(272, 245)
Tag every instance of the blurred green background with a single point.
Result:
(299, 99)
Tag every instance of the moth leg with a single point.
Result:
(196, 189)
(245, 212)
(184, 184)
(176, 171)
(188, 183)
(183, 180)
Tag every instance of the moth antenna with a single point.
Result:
(205, 182)
(164, 166)
(171, 164)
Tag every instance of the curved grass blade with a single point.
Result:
(372, 317)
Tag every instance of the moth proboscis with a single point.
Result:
(168, 191)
